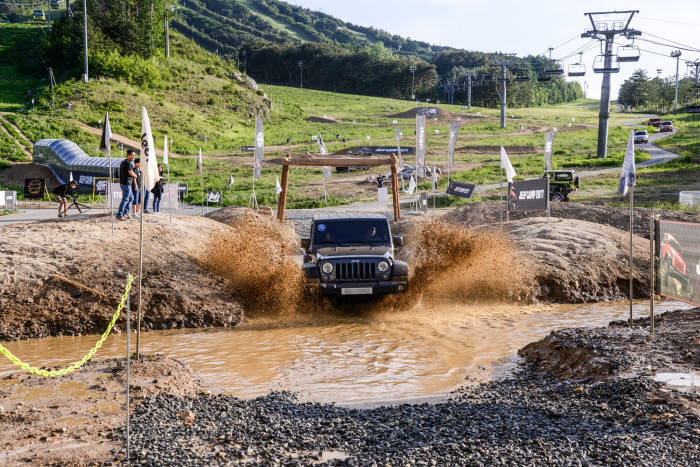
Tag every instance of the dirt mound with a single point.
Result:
(441, 114)
(256, 257)
(16, 173)
(177, 291)
(485, 213)
(604, 352)
(324, 119)
(63, 412)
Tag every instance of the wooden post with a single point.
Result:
(395, 186)
(282, 202)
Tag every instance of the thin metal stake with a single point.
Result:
(631, 246)
(500, 200)
(128, 358)
(652, 273)
(138, 319)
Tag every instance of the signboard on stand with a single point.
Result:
(529, 195)
(463, 190)
(34, 188)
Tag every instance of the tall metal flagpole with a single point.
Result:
(170, 197)
(138, 319)
(128, 357)
(631, 251)
(109, 184)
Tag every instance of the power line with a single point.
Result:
(563, 43)
(668, 21)
(672, 42)
(670, 45)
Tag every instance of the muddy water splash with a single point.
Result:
(393, 356)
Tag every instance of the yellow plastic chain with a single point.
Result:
(73, 366)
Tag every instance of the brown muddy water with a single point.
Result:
(421, 354)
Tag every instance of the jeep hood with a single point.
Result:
(364, 250)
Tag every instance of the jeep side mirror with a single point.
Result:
(577, 182)
(305, 243)
(398, 240)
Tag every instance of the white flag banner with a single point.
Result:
(327, 171)
(628, 177)
(278, 187)
(149, 164)
(105, 141)
(199, 161)
(548, 148)
(322, 146)
(452, 144)
(435, 178)
(412, 185)
(398, 146)
(165, 150)
(505, 164)
(420, 146)
(230, 180)
(70, 177)
(259, 147)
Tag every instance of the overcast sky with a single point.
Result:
(529, 27)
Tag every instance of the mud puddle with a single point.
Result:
(414, 355)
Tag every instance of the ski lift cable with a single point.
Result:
(657, 53)
(668, 40)
(671, 46)
(578, 36)
(583, 49)
(667, 21)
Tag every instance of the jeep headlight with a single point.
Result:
(327, 268)
(383, 266)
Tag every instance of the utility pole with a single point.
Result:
(85, 42)
(677, 55)
(504, 80)
(695, 64)
(412, 69)
(606, 30)
(301, 73)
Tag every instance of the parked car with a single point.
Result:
(666, 125)
(641, 136)
(561, 184)
(655, 122)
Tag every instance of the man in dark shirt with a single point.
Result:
(127, 182)
(60, 193)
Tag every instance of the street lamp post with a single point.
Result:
(301, 73)
(412, 69)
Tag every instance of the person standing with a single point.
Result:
(127, 178)
(136, 206)
(158, 189)
(60, 193)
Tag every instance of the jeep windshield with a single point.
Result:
(351, 232)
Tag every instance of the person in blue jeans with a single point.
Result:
(136, 205)
(127, 178)
(158, 189)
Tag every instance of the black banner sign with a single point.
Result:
(463, 190)
(678, 256)
(529, 195)
(389, 150)
(34, 188)
(247, 148)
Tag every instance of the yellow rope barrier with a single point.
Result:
(73, 366)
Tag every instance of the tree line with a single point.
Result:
(644, 93)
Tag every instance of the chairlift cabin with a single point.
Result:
(599, 65)
(522, 74)
(554, 70)
(577, 69)
(39, 15)
(628, 53)
(55, 4)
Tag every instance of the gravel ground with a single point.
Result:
(528, 419)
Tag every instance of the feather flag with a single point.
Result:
(105, 141)
(278, 187)
(505, 164)
(70, 177)
(435, 178)
(230, 180)
(322, 146)
(412, 185)
(149, 164)
(259, 147)
(628, 177)
(165, 150)
(398, 146)
(452, 143)
(199, 161)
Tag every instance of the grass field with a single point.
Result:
(199, 104)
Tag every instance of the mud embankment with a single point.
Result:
(177, 291)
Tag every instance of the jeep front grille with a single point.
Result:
(355, 271)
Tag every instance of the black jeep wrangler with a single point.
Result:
(353, 256)
(561, 184)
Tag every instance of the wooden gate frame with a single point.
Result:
(338, 161)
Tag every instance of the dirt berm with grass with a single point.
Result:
(202, 273)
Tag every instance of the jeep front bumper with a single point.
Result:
(358, 288)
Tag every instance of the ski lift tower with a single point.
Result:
(504, 64)
(606, 25)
